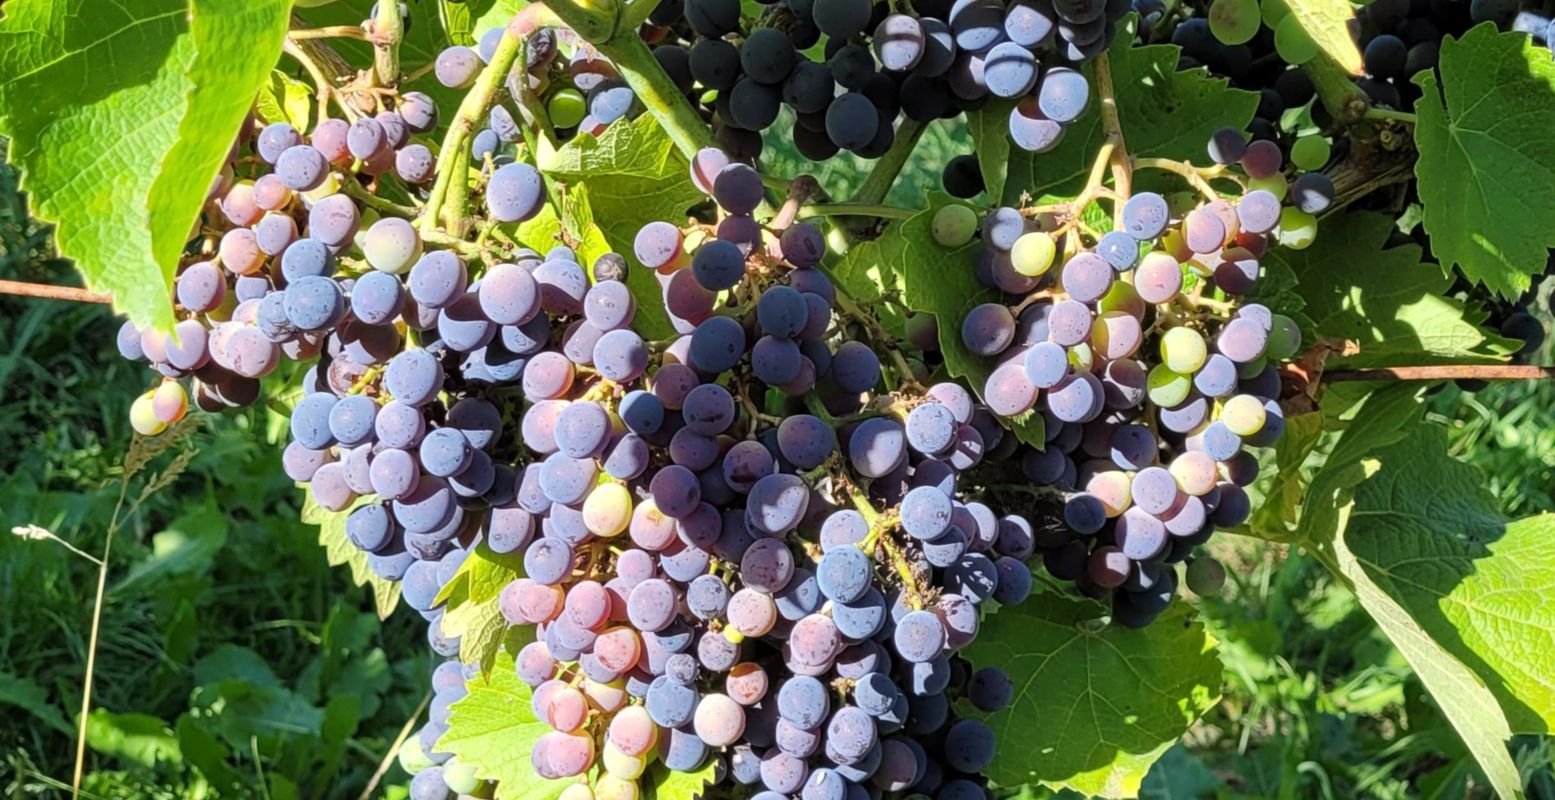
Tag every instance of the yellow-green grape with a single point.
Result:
(1272, 13)
(143, 416)
(1293, 43)
(1114, 489)
(953, 225)
(1166, 388)
(1175, 244)
(1033, 254)
(1273, 184)
(459, 777)
(1310, 153)
(613, 788)
(170, 402)
(577, 791)
(1284, 338)
(1234, 22)
(392, 245)
(412, 758)
(1244, 414)
(1081, 357)
(1297, 229)
(331, 186)
(1121, 297)
(566, 108)
(607, 510)
(621, 765)
(1183, 350)
(1195, 472)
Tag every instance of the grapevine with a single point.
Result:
(729, 485)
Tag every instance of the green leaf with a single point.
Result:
(1095, 706)
(286, 99)
(1486, 172)
(488, 14)
(137, 738)
(236, 43)
(189, 545)
(661, 783)
(1164, 113)
(339, 550)
(494, 729)
(120, 115)
(989, 128)
(91, 95)
(472, 610)
(868, 270)
(1328, 23)
(1395, 309)
(28, 696)
(1428, 534)
(941, 282)
(209, 756)
(630, 176)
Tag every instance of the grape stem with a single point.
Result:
(388, 28)
(1388, 113)
(1196, 176)
(472, 110)
(883, 174)
(856, 210)
(304, 52)
(800, 190)
(1336, 89)
(328, 32)
(356, 191)
(879, 534)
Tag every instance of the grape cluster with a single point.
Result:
(272, 286)
(1151, 377)
(879, 63)
(707, 594)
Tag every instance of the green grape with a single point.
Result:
(1293, 43)
(143, 416)
(566, 108)
(1284, 338)
(1310, 153)
(392, 245)
(1205, 576)
(1122, 297)
(1273, 13)
(1234, 22)
(1166, 388)
(1183, 351)
(460, 778)
(412, 758)
(953, 225)
(1297, 229)
(1274, 184)
(1033, 254)
(621, 765)
(613, 788)
(607, 510)
(1244, 414)
(1250, 369)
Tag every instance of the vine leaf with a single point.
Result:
(866, 272)
(1461, 592)
(472, 612)
(942, 282)
(116, 114)
(630, 176)
(1095, 706)
(1396, 309)
(285, 99)
(339, 550)
(1164, 113)
(1328, 22)
(1486, 172)
(989, 128)
(663, 784)
(493, 728)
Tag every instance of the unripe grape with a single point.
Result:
(143, 416)
(1244, 414)
(1033, 254)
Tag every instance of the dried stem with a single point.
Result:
(48, 292)
(855, 210)
(388, 28)
(1444, 372)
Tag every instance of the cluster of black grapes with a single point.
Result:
(879, 63)
(1151, 377)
